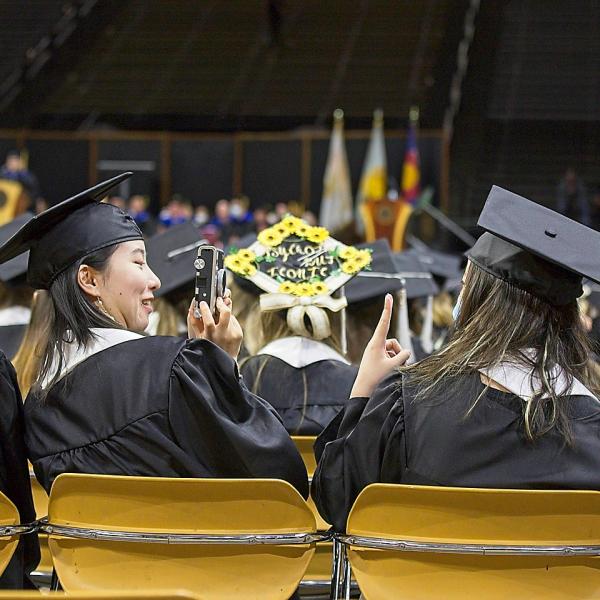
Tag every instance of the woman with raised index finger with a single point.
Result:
(509, 402)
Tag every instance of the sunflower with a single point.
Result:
(363, 258)
(247, 254)
(304, 288)
(317, 235)
(248, 269)
(303, 229)
(358, 261)
(320, 287)
(234, 263)
(281, 229)
(270, 237)
(287, 287)
(350, 267)
(348, 252)
(290, 222)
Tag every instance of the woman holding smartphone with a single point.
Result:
(109, 400)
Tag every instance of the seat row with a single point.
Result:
(255, 538)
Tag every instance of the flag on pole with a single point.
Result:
(336, 203)
(411, 168)
(373, 180)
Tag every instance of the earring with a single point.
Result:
(102, 309)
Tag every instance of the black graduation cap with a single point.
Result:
(418, 278)
(68, 231)
(362, 288)
(17, 266)
(535, 248)
(171, 256)
(441, 264)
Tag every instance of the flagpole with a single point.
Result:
(448, 224)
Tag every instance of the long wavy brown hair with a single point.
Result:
(28, 359)
(498, 322)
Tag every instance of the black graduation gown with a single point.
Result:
(158, 406)
(306, 398)
(10, 338)
(14, 476)
(391, 438)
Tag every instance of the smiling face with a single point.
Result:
(127, 286)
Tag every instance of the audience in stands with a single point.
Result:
(138, 209)
(15, 169)
(571, 198)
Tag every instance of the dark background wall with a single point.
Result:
(268, 168)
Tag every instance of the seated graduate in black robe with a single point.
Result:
(508, 403)
(110, 401)
(295, 332)
(14, 477)
(15, 294)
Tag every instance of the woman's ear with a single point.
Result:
(87, 278)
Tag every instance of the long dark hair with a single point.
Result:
(498, 322)
(72, 317)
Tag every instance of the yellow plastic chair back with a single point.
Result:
(139, 595)
(40, 501)
(434, 516)
(9, 517)
(304, 444)
(180, 506)
(319, 569)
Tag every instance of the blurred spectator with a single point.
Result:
(15, 169)
(41, 204)
(221, 217)
(222, 220)
(571, 198)
(595, 208)
(211, 234)
(240, 216)
(201, 215)
(281, 209)
(178, 211)
(260, 219)
(117, 201)
(138, 209)
(310, 218)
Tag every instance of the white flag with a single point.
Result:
(336, 204)
(373, 180)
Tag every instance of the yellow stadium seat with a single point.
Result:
(139, 595)
(221, 538)
(431, 542)
(318, 574)
(10, 530)
(40, 501)
(304, 444)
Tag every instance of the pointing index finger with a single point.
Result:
(380, 333)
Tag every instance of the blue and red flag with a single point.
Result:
(411, 168)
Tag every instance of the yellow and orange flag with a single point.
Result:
(373, 180)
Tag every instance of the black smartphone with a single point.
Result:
(211, 279)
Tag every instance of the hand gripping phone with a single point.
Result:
(211, 279)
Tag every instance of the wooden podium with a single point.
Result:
(386, 218)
